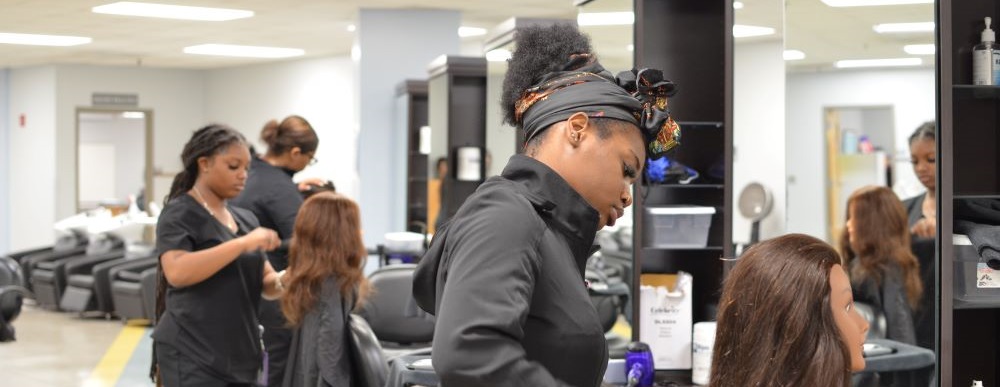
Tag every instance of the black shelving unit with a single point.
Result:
(457, 89)
(416, 116)
(668, 34)
(968, 168)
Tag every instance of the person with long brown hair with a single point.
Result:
(324, 282)
(876, 249)
(213, 270)
(274, 198)
(787, 318)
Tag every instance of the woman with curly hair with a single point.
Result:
(504, 277)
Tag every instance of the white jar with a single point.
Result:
(701, 352)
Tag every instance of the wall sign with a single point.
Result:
(113, 99)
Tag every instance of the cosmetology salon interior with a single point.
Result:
(869, 125)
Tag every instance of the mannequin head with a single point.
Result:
(782, 322)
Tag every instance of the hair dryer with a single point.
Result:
(639, 365)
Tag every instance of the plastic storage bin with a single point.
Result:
(970, 289)
(678, 226)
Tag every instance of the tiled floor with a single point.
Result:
(62, 349)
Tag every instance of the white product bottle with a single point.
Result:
(701, 352)
(983, 57)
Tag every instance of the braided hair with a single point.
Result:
(924, 132)
(205, 142)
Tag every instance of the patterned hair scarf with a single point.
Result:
(638, 97)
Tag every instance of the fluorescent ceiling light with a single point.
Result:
(467, 32)
(920, 49)
(793, 55)
(133, 115)
(43, 40)
(737, 5)
(888, 28)
(498, 55)
(865, 3)
(168, 11)
(605, 18)
(351, 27)
(745, 31)
(895, 62)
(243, 51)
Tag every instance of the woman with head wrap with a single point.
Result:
(504, 276)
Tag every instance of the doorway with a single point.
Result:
(859, 147)
(113, 157)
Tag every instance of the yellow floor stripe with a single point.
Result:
(110, 368)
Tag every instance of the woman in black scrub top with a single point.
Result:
(214, 270)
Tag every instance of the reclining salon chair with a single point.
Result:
(397, 321)
(90, 290)
(68, 243)
(48, 279)
(88, 284)
(133, 291)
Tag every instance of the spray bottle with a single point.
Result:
(984, 57)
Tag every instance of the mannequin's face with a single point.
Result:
(924, 161)
(853, 327)
(850, 225)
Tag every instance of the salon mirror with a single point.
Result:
(859, 80)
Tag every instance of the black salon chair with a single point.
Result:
(11, 296)
(373, 367)
(48, 279)
(88, 289)
(395, 318)
(609, 296)
(67, 244)
(906, 365)
(133, 292)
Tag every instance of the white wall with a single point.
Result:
(32, 178)
(175, 96)
(910, 92)
(319, 90)
(758, 132)
(4, 162)
(394, 45)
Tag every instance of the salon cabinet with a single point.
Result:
(691, 41)
(411, 103)
(968, 168)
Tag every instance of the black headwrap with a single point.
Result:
(638, 97)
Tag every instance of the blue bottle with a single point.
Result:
(639, 364)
